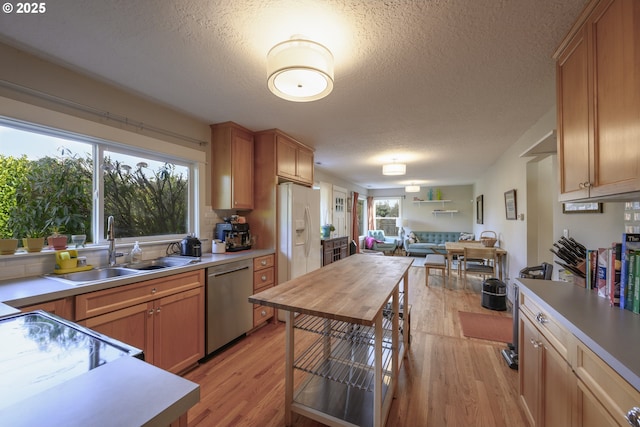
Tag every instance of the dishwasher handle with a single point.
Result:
(223, 273)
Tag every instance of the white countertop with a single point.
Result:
(610, 332)
(125, 392)
(38, 289)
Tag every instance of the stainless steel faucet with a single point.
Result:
(111, 233)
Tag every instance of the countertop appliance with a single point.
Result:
(299, 250)
(191, 246)
(41, 350)
(236, 236)
(229, 314)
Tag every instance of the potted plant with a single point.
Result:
(34, 242)
(57, 240)
(8, 244)
(327, 229)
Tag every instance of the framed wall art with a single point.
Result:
(480, 209)
(570, 208)
(510, 206)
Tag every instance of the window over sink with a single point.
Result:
(55, 178)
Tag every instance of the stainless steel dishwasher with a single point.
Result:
(229, 313)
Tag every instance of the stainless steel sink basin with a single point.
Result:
(93, 275)
(107, 273)
(163, 262)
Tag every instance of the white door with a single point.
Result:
(340, 210)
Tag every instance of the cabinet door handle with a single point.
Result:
(158, 310)
(587, 184)
(264, 278)
(154, 290)
(541, 318)
(151, 312)
(536, 344)
(263, 262)
(263, 313)
(633, 416)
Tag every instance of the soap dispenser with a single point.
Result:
(136, 254)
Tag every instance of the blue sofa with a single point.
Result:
(424, 242)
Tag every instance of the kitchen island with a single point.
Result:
(353, 364)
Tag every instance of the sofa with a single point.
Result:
(424, 242)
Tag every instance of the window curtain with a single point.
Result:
(371, 221)
(355, 229)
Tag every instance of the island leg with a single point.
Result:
(288, 373)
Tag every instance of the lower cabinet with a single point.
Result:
(603, 397)
(62, 307)
(263, 279)
(545, 379)
(163, 317)
(562, 382)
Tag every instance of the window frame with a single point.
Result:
(376, 217)
(98, 147)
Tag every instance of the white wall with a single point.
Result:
(513, 172)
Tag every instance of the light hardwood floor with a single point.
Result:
(446, 379)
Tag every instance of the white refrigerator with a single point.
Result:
(299, 250)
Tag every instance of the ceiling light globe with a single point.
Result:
(394, 169)
(300, 70)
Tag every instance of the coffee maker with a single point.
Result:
(236, 236)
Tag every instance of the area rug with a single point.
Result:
(486, 326)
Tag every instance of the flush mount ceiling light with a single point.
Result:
(300, 70)
(394, 169)
(412, 188)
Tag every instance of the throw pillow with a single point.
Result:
(466, 236)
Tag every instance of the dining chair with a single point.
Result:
(480, 261)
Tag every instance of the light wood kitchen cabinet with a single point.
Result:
(598, 101)
(231, 166)
(62, 307)
(546, 381)
(293, 160)
(603, 398)
(263, 278)
(164, 317)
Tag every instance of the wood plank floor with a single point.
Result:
(446, 379)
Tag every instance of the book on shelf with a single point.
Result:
(636, 283)
(630, 244)
(603, 271)
(614, 273)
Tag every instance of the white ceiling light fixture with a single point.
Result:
(412, 188)
(300, 70)
(394, 168)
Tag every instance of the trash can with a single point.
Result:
(494, 294)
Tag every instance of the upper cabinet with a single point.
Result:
(294, 160)
(231, 166)
(598, 90)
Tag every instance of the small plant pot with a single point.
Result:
(57, 242)
(33, 244)
(8, 246)
(78, 239)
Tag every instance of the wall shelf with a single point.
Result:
(420, 202)
(448, 211)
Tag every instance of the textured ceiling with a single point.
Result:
(443, 85)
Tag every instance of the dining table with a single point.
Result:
(457, 249)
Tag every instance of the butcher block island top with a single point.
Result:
(353, 290)
(357, 313)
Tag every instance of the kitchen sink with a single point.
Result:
(163, 262)
(93, 275)
(106, 273)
